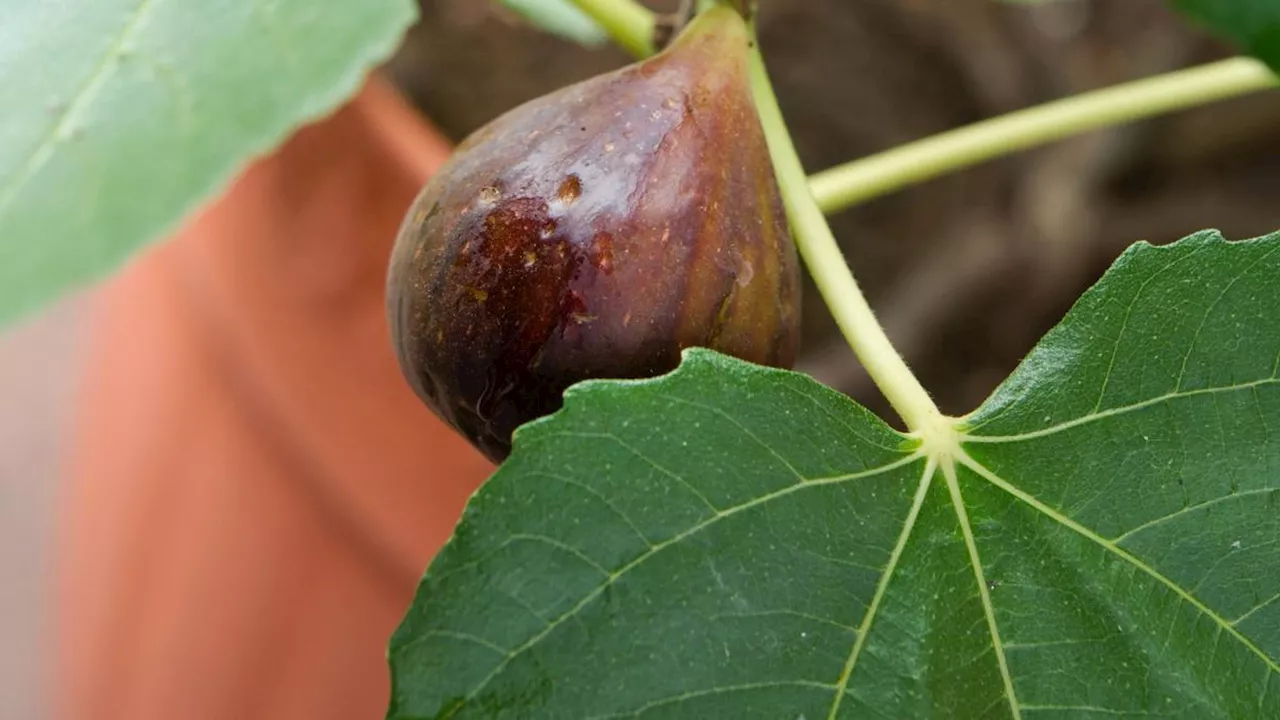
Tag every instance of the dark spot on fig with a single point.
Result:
(570, 190)
(602, 252)
(575, 307)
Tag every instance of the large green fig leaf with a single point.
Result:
(1101, 539)
(122, 115)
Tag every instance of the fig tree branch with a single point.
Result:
(855, 182)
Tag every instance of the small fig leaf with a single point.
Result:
(560, 17)
(734, 541)
(1254, 25)
(120, 116)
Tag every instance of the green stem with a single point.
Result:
(813, 237)
(840, 187)
(830, 271)
(627, 22)
(861, 180)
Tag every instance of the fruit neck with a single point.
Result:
(719, 18)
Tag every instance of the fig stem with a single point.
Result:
(821, 253)
(846, 185)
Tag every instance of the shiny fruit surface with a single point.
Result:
(595, 233)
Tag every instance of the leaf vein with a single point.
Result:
(676, 699)
(1054, 643)
(1262, 696)
(600, 496)
(837, 418)
(988, 608)
(1248, 613)
(1191, 347)
(634, 451)
(1124, 324)
(533, 537)
(1123, 554)
(1085, 708)
(1189, 509)
(754, 438)
(658, 548)
(786, 613)
(60, 129)
(922, 490)
(1112, 412)
(476, 639)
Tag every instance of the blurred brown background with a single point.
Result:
(966, 271)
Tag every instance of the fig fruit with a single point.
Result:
(595, 233)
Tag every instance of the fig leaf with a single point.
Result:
(1100, 540)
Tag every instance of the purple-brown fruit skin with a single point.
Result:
(595, 233)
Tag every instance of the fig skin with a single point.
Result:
(595, 233)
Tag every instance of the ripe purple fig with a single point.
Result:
(595, 233)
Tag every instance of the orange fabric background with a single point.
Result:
(255, 491)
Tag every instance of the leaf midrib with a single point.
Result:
(975, 560)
